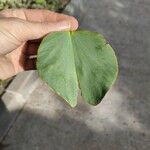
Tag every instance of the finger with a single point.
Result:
(39, 15)
(34, 30)
(48, 16)
(16, 13)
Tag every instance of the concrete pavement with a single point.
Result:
(122, 120)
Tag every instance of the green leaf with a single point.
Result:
(40, 1)
(68, 60)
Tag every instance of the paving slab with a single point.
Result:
(121, 121)
(14, 99)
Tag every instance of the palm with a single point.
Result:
(20, 56)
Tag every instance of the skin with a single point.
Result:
(21, 31)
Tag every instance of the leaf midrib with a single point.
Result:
(70, 36)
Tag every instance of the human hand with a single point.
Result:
(21, 32)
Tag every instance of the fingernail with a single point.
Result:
(63, 25)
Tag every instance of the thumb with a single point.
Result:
(36, 30)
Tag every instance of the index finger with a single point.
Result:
(38, 15)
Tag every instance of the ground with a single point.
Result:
(121, 121)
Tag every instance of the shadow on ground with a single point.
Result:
(52, 124)
(67, 133)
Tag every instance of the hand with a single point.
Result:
(20, 34)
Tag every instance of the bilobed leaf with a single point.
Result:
(67, 61)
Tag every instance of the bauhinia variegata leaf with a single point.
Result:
(67, 61)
